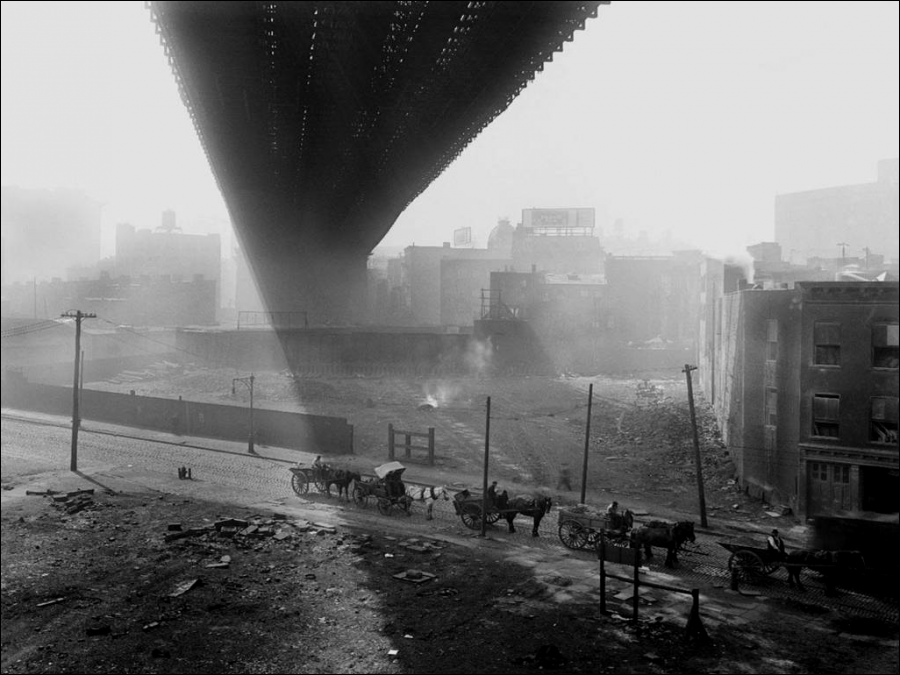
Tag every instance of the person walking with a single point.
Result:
(565, 478)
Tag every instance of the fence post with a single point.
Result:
(602, 557)
(637, 583)
(695, 626)
(408, 452)
(431, 446)
(390, 441)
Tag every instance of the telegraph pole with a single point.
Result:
(487, 446)
(843, 252)
(587, 443)
(76, 388)
(687, 372)
(247, 382)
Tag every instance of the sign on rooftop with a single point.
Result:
(462, 238)
(559, 222)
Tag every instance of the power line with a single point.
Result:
(35, 327)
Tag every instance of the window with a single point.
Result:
(885, 339)
(883, 422)
(826, 415)
(841, 473)
(772, 340)
(828, 344)
(818, 471)
(771, 413)
(830, 473)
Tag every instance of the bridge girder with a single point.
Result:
(322, 121)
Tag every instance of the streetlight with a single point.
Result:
(248, 382)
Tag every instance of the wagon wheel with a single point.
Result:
(471, 516)
(493, 517)
(384, 506)
(748, 564)
(360, 496)
(769, 567)
(300, 483)
(617, 538)
(319, 480)
(572, 534)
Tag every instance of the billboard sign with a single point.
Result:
(462, 237)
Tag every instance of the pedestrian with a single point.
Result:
(565, 478)
(613, 509)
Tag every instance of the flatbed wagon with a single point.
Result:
(584, 529)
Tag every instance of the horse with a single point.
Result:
(665, 535)
(536, 507)
(340, 478)
(830, 564)
(429, 495)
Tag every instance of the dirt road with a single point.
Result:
(107, 583)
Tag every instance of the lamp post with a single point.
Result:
(248, 382)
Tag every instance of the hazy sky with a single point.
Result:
(680, 116)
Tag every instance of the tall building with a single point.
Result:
(557, 240)
(445, 283)
(843, 221)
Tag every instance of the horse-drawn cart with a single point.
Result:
(581, 528)
(323, 476)
(387, 489)
(469, 507)
(751, 562)
(302, 476)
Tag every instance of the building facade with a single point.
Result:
(804, 384)
(843, 221)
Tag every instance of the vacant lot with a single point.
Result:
(641, 447)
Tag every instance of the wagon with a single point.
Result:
(302, 476)
(386, 489)
(470, 507)
(584, 529)
(750, 561)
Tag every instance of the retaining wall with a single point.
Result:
(297, 431)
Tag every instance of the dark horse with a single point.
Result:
(340, 478)
(665, 535)
(536, 507)
(832, 565)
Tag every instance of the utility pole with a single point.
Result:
(587, 443)
(247, 382)
(843, 252)
(487, 445)
(76, 389)
(687, 372)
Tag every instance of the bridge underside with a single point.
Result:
(323, 121)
